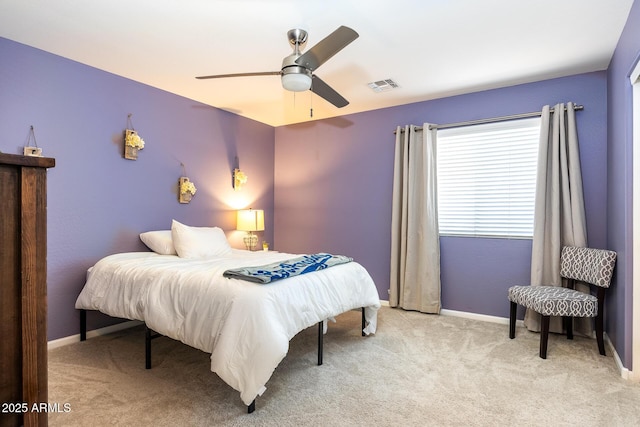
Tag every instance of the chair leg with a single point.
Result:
(600, 333)
(568, 326)
(544, 336)
(600, 321)
(512, 320)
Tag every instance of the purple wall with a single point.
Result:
(325, 185)
(333, 184)
(620, 176)
(98, 202)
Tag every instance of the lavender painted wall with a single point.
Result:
(332, 178)
(620, 176)
(333, 184)
(98, 202)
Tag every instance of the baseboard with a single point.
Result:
(472, 316)
(625, 373)
(91, 334)
(481, 317)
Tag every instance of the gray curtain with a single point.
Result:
(415, 243)
(559, 207)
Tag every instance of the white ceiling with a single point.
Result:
(431, 48)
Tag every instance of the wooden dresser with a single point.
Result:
(23, 288)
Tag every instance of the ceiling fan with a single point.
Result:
(297, 68)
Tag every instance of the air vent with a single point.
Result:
(383, 85)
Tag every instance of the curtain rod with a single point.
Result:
(492, 119)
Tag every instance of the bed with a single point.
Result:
(245, 326)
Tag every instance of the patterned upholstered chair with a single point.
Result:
(590, 266)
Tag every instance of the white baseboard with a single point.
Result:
(481, 317)
(472, 316)
(625, 373)
(91, 334)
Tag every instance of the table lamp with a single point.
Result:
(250, 220)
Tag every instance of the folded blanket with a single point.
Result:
(289, 268)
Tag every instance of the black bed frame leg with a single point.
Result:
(147, 348)
(83, 325)
(251, 407)
(148, 336)
(320, 339)
(364, 322)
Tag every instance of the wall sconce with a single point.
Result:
(250, 220)
(239, 179)
(186, 190)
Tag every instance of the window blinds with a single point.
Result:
(487, 179)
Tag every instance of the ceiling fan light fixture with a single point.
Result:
(298, 68)
(296, 82)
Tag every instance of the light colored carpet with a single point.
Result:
(417, 370)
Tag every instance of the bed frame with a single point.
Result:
(150, 335)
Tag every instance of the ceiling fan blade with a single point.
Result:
(264, 73)
(327, 47)
(325, 91)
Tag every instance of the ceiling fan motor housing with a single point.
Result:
(295, 77)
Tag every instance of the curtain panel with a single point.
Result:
(415, 242)
(559, 217)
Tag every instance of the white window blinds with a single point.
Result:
(487, 178)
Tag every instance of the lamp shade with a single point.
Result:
(250, 220)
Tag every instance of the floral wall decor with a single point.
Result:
(132, 141)
(239, 179)
(186, 190)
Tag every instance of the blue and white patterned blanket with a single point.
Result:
(289, 268)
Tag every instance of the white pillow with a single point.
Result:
(159, 241)
(199, 242)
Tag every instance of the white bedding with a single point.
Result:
(245, 326)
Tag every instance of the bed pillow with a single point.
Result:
(199, 242)
(159, 241)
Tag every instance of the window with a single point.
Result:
(487, 178)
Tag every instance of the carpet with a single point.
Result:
(417, 370)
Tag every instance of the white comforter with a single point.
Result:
(245, 326)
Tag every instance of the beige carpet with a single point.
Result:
(417, 370)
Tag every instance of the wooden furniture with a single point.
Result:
(23, 289)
